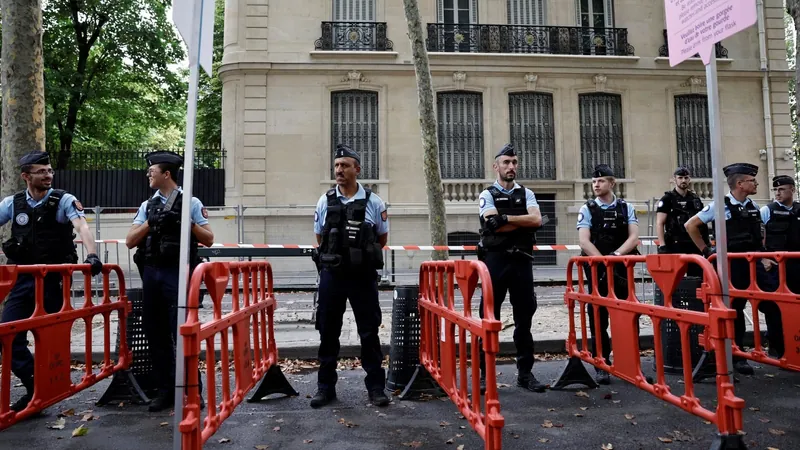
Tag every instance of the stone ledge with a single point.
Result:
(343, 54)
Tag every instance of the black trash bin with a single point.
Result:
(684, 297)
(404, 351)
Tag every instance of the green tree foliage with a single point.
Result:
(110, 76)
(209, 90)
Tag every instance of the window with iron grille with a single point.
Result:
(354, 122)
(460, 119)
(532, 133)
(354, 10)
(601, 133)
(525, 12)
(691, 129)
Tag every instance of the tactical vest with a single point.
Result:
(683, 209)
(609, 226)
(162, 245)
(743, 228)
(349, 242)
(36, 236)
(783, 228)
(513, 204)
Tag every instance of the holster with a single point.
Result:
(481, 251)
(13, 250)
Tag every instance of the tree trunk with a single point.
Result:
(437, 217)
(22, 80)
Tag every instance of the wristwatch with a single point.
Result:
(617, 254)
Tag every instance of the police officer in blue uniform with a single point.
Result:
(509, 217)
(42, 232)
(744, 229)
(156, 232)
(673, 210)
(350, 223)
(607, 225)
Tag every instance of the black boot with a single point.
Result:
(322, 398)
(530, 383)
(602, 377)
(743, 367)
(378, 398)
(164, 400)
(23, 401)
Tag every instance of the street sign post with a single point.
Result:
(694, 27)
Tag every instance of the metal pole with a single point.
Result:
(239, 223)
(719, 192)
(188, 178)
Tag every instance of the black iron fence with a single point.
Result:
(481, 38)
(359, 36)
(118, 177)
(720, 51)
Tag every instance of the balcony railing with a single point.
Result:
(721, 52)
(354, 36)
(480, 38)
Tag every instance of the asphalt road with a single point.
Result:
(619, 414)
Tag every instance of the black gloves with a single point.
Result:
(662, 249)
(708, 251)
(94, 261)
(496, 221)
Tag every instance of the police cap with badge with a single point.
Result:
(344, 151)
(681, 171)
(507, 150)
(602, 170)
(740, 169)
(164, 157)
(35, 157)
(782, 180)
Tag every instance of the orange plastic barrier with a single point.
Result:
(667, 271)
(787, 301)
(438, 322)
(52, 337)
(255, 354)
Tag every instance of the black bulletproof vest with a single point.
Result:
(609, 226)
(743, 228)
(783, 228)
(513, 204)
(40, 238)
(162, 245)
(683, 209)
(347, 234)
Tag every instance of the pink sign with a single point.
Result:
(694, 26)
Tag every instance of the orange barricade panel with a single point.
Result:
(253, 305)
(442, 328)
(53, 336)
(667, 271)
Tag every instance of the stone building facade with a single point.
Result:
(571, 83)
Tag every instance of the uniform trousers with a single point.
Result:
(620, 290)
(159, 320)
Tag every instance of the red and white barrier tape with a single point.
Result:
(388, 247)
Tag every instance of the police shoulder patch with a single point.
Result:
(707, 207)
(316, 216)
(204, 212)
(384, 215)
(78, 205)
(580, 217)
(482, 202)
(660, 203)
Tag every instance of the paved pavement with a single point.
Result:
(620, 415)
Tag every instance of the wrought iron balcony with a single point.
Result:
(354, 36)
(721, 52)
(553, 40)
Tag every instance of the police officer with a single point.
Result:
(351, 226)
(782, 234)
(674, 209)
(156, 231)
(509, 217)
(743, 226)
(42, 233)
(606, 226)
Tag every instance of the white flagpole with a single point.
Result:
(188, 178)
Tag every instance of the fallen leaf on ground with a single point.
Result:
(544, 440)
(444, 424)
(515, 436)
(615, 401)
(307, 441)
(584, 408)
(502, 385)
(58, 424)
(581, 394)
(614, 392)
(607, 447)
(279, 420)
(462, 427)
(68, 413)
(764, 420)
(772, 448)
(449, 441)
(547, 424)
(708, 422)
(460, 447)
(224, 441)
(276, 429)
(262, 447)
(80, 431)
(769, 375)
(755, 408)
(551, 409)
(578, 415)
(87, 417)
(460, 435)
(607, 397)
(776, 432)
(163, 424)
(665, 440)
(629, 416)
(381, 415)
(121, 404)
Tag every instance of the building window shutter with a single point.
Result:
(525, 12)
(354, 122)
(460, 120)
(533, 135)
(354, 10)
(692, 133)
(601, 133)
